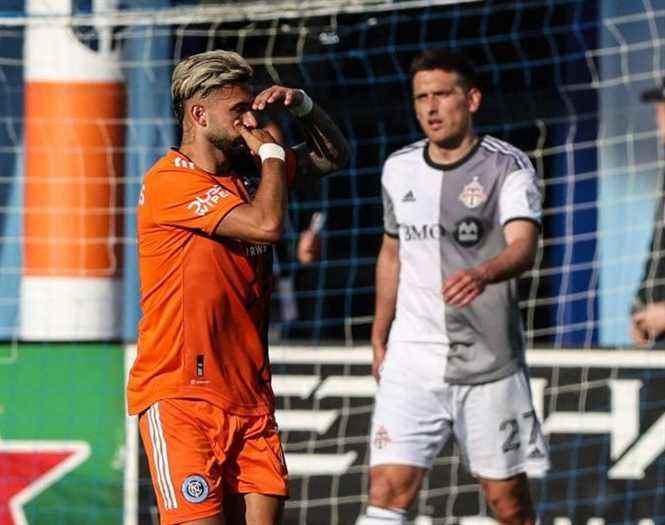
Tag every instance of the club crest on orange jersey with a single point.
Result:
(473, 194)
(195, 488)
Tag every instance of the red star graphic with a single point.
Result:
(29, 467)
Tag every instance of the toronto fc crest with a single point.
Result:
(473, 194)
(381, 438)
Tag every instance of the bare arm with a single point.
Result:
(325, 148)
(309, 242)
(262, 219)
(387, 279)
(461, 288)
(517, 257)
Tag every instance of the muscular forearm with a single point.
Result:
(387, 277)
(271, 196)
(328, 150)
(515, 259)
(461, 288)
(262, 219)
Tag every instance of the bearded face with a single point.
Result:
(223, 107)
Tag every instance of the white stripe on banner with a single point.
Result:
(160, 457)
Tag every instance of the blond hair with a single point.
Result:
(202, 73)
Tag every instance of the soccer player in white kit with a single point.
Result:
(461, 215)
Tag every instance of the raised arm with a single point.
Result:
(262, 219)
(387, 279)
(325, 149)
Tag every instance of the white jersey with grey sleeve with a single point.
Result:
(451, 217)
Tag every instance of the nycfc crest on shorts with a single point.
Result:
(195, 488)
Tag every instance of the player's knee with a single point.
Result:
(511, 512)
(511, 502)
(382, 491)
(258, 509)
(512, 509)
(393, 490)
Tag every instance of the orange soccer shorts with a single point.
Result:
(197, 452)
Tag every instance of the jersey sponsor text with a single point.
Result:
(202, 205)
(421, 232)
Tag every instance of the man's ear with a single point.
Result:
(198, 113)
(474, 97)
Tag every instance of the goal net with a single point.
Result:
(562, 81)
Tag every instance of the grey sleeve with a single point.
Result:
(390, 225)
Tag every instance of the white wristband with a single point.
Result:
(317, 221)
(270, 150)
(304, 107)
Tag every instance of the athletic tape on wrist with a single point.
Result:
(271, 150)
(304, 107)
(317, 221)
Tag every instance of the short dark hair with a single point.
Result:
(446, 60)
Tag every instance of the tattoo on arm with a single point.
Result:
(325, 148)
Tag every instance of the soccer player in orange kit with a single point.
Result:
(201, 380)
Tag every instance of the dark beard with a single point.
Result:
(231, 147)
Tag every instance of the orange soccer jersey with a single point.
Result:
(205, 299)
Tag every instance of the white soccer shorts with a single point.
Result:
(416, 413)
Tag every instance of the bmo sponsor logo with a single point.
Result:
(202, 205)
(421, 232)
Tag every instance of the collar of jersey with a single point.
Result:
(175, 150)
(452, 165)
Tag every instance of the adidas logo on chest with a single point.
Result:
(409, 197)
